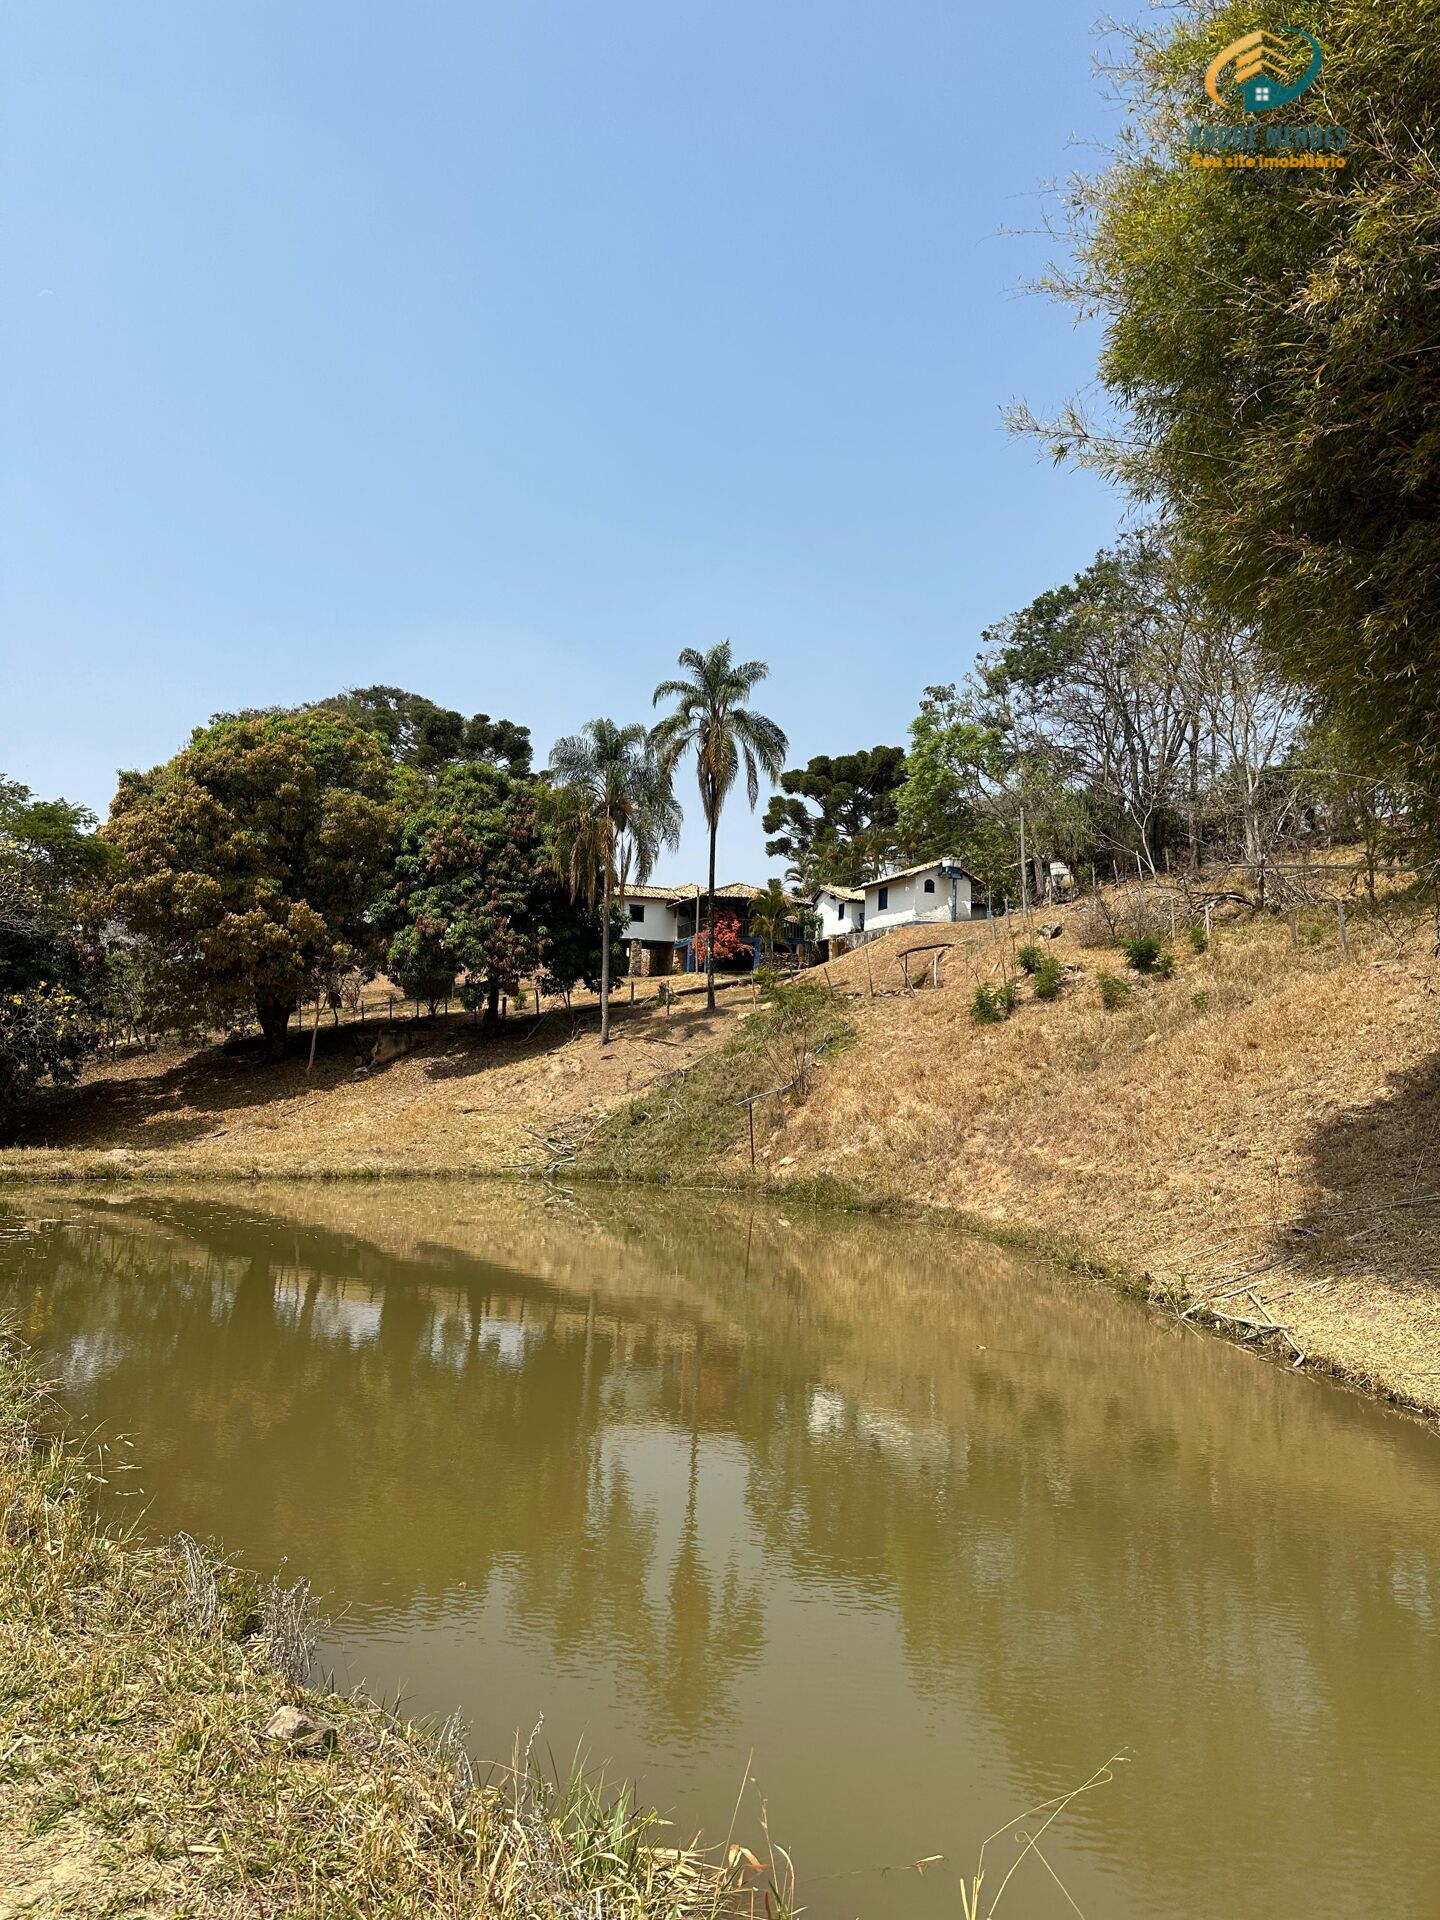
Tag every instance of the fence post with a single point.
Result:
(1207, 922)
(750, 1109)
(1344, 936)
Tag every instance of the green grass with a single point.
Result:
(693, 1120)
(1114, 992)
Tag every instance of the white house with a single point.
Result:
(936, 890)
(660, 923)
(841, 911)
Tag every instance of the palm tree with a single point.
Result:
(616, 810)
(712, 715)
(770, 913)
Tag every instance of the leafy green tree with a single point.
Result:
(478, 895)
(954, 770)
(253, 860)
(614, 809)
(50, 962)
(1095, 686)
(424, 735)
(54, 840)
(1270, 343)
(834, 819)
(714, 720)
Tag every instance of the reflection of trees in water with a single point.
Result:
(1094, 1537)
(406, 1439)
(1129, 1596)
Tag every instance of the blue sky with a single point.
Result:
(501, 349)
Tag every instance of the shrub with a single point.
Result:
(1049, 978)
(1199, 939)
(993, 1004)
(1164, 964)
(1030, 957)
(1105, 918)
(797, 1017)
(1113, 992)
(1144, 952)
(1200, 1001)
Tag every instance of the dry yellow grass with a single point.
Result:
(1263, 1123)
(463, 1102)
(138, 1775)
(1266, 1120)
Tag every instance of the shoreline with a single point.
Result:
(1243, 1143)
(1061, 1249)
(167, 1754)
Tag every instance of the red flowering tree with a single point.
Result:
(728, 941)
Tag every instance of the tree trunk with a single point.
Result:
(710, 924)
(1193, 797)
(605, 963)
(274, 1019)
(492, 1002)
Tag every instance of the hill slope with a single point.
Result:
(1265, 1120)
(1255, 1135)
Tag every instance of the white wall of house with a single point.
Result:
(657, 919)
(907, 901)
(838, 916)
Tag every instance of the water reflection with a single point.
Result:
(926, 1531)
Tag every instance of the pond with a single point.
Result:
(906, 1532)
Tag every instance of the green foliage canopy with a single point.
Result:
(252, 860)
(479, 895)
(50, 975)
(1270, 338)
(834, 819)
(422, 734)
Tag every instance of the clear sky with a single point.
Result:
(500, 348)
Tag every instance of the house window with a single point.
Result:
(637, 914)
(884, 899)
(929, 886)
(840, 911)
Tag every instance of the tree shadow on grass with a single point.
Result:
(167, 1101)
(131, 1107)
(1378, 1171)
(558, 1031)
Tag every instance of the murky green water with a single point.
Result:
(920, 1533)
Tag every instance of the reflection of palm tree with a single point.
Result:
(254, 1301)
(707, 1633)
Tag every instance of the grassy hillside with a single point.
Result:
(1253, 1136)
(464, 1101)
(1257, 1132)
